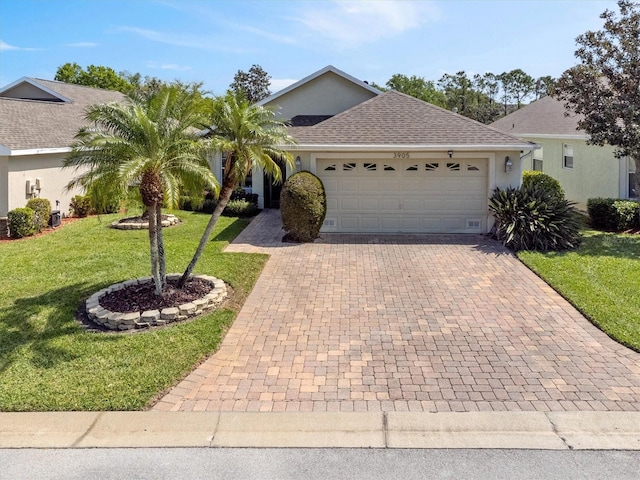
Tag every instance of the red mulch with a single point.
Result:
(46, 231)
(138, 298)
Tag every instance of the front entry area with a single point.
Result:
(440, 195)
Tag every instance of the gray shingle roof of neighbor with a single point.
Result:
(394, 118)
(35, 124)
(545, 116)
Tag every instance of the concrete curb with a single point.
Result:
(521, 430)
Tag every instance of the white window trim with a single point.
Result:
(566, 148)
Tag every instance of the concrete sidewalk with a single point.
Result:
(521, 430)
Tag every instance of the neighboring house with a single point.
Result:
(38, 122)
(584, 171)
(390, 162)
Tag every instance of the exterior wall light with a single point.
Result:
(450, 153)
(298, 163)
(508, 164)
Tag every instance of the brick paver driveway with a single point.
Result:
(420, 323)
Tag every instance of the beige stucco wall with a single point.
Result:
(4, 186)
(328, 94)
(53, 180)
(595, 173)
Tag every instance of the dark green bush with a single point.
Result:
(240, 208)
(80, 206)
(601, 215)
(21, 222)
(542, 181)
(303, 206)
(42, 211)
(626, 214)
(528, 218)
(611, 214)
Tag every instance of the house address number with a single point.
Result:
(401, 155)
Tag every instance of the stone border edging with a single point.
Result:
(122, 224)
(150, 318)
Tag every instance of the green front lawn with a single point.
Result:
(601, 278)
(47, 360)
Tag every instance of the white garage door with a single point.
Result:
(422, 196)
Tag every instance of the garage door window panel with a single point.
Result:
(404, 196)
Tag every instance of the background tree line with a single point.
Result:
(484, 98)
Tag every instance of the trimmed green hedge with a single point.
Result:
(42, 210)
(21, 222)
(611, 214)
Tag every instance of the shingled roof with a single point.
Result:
(35, 124)
(397, 119)
(545, 116)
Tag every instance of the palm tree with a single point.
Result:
(147, 143)
(248, 137)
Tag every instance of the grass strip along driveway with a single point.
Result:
(49, 362)
(601, 279)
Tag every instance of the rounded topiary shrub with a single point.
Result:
(543, 183)
(42, 211)
(21, 222)
(303, 206)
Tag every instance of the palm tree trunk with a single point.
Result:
(162, 261)
(155, 254)
(223, 199)
(637, 185)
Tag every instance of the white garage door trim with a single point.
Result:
(390, 192)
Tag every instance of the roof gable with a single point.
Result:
(546, 116)
(326, 92)
(393, 118)
(30, 89)
(328, 69)
(31, 124)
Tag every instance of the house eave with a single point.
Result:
(32, 151)
(412, 148)
(554, 136)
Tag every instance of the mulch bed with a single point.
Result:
(139, 298)
(45, 231)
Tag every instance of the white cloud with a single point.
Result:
(5, 47)
(81, 45)
(351, 23)
(278, 84)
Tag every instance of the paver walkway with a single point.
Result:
(413, 322)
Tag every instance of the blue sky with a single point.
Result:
(210, 40)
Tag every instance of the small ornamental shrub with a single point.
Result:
(611, 214)
(542, 181)
(241, 194)
(21, 222)
(240, 208)
(303, 206)
(42, 211)
(80, 206)
(529, 219)
(626, 212)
